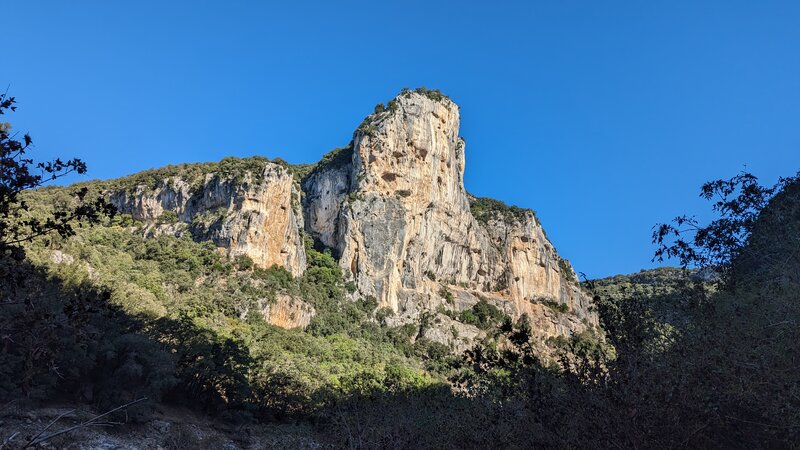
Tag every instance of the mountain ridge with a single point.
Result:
(433, 250)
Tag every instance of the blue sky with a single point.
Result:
(604, 117)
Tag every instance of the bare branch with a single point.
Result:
(8, 441)
(48, 427)
(84, 424)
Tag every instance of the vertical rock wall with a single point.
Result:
(255, 215)
(400, 219)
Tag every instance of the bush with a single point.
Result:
(483, 315)
(485, 209)
(168, 217)
(447, 295)
(244, 263)
(562, 308)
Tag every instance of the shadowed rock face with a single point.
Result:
(399, 216)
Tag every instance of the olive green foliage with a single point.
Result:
(483, 315)
(667, 291)
(447, 295)
(335, 159)
(194, 174)
(433, 94)
(367, 127)
(244, 262)
(355, 196)
(188, 322)
(663, 281)
(106, 315)
(168, 217)
(562, 308)
(485, 209)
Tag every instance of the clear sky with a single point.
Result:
(603, 116)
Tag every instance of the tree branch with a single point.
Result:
(84, 424)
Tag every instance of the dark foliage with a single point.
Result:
(18, 173)
(738, 202)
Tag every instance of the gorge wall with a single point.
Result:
(252, 213)
(393, 208)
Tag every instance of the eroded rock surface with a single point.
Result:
(255, 214)
(393, 208)
(288, 312)
(400, 218)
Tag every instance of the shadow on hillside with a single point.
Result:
(68, 343)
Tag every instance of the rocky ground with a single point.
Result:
(165, 428)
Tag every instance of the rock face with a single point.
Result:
(255, 213)
(394, 207)
(288, 312)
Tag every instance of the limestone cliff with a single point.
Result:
(287, 312)
(253, 211)
(394, 207)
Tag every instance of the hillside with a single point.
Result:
(368, 301)
(255, 290)
(391, 208)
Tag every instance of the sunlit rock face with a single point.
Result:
(253, 214)
(287, 312)
(395, 210)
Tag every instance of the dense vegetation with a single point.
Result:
(334, 159)
(177, 298)
(194, 173)
(93, 312)
(685, 364)
(485, 209)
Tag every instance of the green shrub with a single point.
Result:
(483, 315)
(562, 308)
(382, 313)
(485, 209)
(168, 217)
(468, 317)
(244, 262)
(447, 295)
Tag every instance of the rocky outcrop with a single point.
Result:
(287, 312)
(395, 209)
(253, 213)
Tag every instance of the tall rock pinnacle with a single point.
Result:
(396, 210)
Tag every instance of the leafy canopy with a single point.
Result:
(18, 173)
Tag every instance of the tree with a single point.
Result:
(18, 173)
(738, 202)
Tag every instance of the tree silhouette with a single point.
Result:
(18, 173)
(738, 202)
